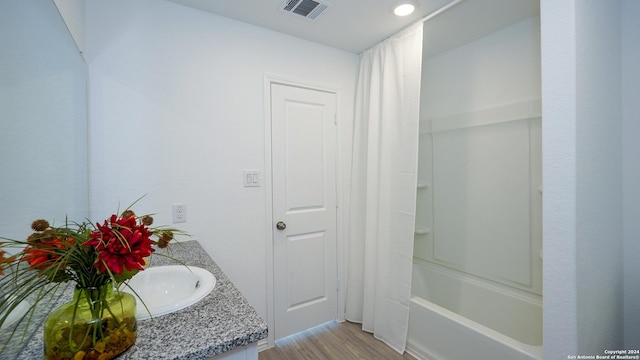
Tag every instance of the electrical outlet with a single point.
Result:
(179, 212)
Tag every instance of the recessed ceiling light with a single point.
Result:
(404, 8)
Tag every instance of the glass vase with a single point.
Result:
(97, 324)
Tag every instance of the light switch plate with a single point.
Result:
(251, 178)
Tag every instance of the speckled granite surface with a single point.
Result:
(220, 322)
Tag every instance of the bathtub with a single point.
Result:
(489, 322)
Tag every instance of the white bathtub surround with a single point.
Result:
(477, 273)
(458, 316)
(451, 336)
(383, 187)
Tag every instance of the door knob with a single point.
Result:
(281, 226)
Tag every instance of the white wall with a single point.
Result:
(43, 161)
(559, 207)
(631, 170)
(599, 176)
(582, 157)
(176, 109)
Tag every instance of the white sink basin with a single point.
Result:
(165, 289)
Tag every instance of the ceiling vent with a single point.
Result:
(310, 9)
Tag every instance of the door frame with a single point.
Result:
(269, 221)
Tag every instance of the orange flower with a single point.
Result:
(43, 255)
(3, 260)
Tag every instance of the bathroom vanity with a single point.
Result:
(222, 326)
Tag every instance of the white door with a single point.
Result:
(303, 142)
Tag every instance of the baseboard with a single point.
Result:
(419, 355)
(263, 345)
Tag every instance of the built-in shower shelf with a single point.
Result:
(422, 230)
(423, 185)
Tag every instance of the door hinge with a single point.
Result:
(338, 285)
(335, 119)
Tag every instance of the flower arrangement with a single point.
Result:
(98, 258)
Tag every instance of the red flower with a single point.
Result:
(121, 244)
(43, 255)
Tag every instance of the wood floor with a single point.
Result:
(330, 341)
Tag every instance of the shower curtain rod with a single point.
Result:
(424, 19)
(440, 11)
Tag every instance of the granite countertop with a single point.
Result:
(220, 322)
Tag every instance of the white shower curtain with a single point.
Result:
(383, 187)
